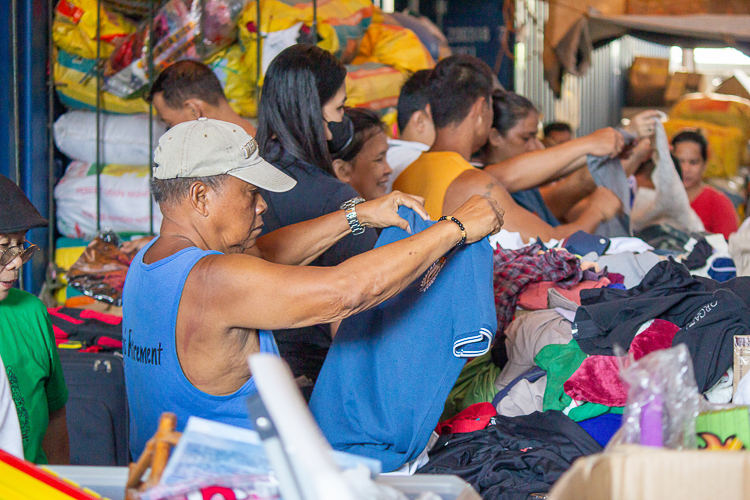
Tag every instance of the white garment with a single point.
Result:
(400, 155)
(721, 392)
(513, 241)
(620, 245)
(10, 431)
(739, 248)
(669, 202)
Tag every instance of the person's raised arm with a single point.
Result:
(535, 168)
(518, 219)
(240, 291)
(302, 243)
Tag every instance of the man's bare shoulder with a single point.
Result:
(472, 182)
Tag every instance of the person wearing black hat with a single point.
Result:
(27, 343)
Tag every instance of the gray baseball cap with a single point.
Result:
(206, 147)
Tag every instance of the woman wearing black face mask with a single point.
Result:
(301, 122)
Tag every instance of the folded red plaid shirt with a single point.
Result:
(515, 269)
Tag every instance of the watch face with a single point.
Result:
(351, 203)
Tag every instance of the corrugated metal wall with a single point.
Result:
(590, 102)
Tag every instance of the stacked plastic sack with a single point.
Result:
(378, 50)
(124, 194)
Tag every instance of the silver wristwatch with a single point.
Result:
(351, 214)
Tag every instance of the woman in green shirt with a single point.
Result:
(27, 343)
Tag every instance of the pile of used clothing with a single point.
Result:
(570, 317)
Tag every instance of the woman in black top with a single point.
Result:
(301, 117)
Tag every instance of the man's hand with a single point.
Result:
(481, 216)
(383, 211)
(606, 142)
(606, 202)
(643, 124)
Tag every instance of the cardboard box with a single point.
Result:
(682, 83)
(738, 85)
(686, 7)
(647, 79)
(639, 473)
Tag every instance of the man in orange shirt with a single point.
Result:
(460, 98)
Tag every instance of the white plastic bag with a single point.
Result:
(125, 198)
(124, 137)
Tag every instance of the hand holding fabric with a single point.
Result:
(606, 142)
(481, 216)
(383, 211)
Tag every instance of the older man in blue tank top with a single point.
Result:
(202, 296)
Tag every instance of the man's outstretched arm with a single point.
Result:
(535, 168)
(241, 291)
(302, 243)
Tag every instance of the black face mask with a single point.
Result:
(343, 136)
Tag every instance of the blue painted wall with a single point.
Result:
(32, 146)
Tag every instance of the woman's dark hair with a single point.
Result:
(509, 108)
(299, 81)
(366, 125)
(692, 136)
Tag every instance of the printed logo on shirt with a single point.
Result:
(18, 399)
(142, 354)
(701, 314)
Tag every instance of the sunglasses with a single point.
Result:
(17, 251)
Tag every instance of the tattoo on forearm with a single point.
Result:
(488, 189)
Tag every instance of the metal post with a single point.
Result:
(16, 104)
(98, 113)
(50, 138)
(150, 49)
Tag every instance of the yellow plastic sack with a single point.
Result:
(341, 25)
(75, 82)
(74, 28)
(395, 46)
(725, 144)
(236, 79)
(720, 109)
(373, 85)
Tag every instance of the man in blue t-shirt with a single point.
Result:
(199, 299)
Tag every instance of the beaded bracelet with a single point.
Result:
(463, 229)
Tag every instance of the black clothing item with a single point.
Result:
(317, 193)
(707, 313)
(17, 214)
(85, 326)
(514, 456)
(699, 256)
(666, 237)
(709, 335)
